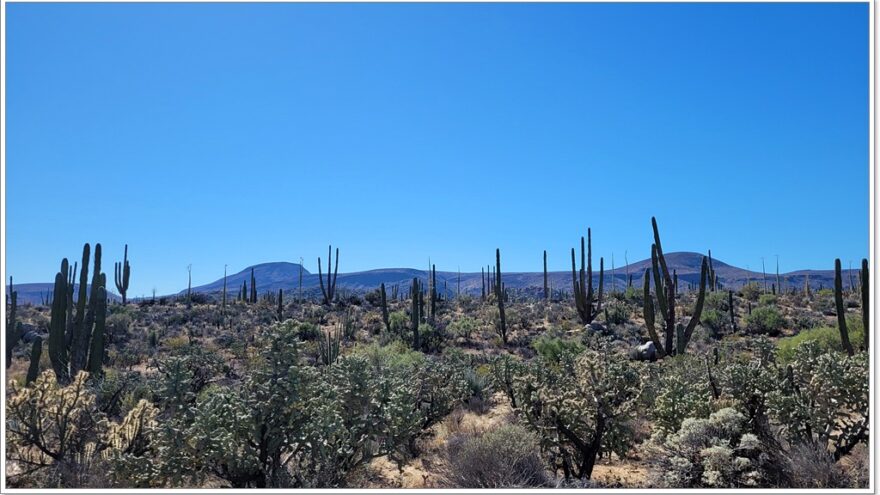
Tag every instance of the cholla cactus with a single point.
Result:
(824, 397)
(579, 406)
(48, 424)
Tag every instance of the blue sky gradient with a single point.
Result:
(238, 134)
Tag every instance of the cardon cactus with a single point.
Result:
(677, 336)
(588, 306)
(13, 328)
(76, 338)
(122, 274)
(328, 291)
(841, 310)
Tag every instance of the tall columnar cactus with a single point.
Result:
(280, 305)
(96, 353)
(76, 338)
(189, 280)
(778, 280)
(433, 292)
(732, 310)
(546, 286)
(224, 289)
(416, 312)
(582, 283)
(384, 298)
(713, 286)
(123, 272)
(13, 328)
(253, 298)
(499, 296)
(330, 290)
(482, 284)
(866, 301)
(36, 354)
(677, 336)
(841, 309)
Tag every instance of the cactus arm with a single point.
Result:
(57, 326)
(321, 280)
(34, 367)
(96, 354)
(841, 311)
(649, 314)
(698, 309)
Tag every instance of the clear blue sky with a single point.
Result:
(238, 134)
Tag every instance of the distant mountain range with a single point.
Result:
(284, 275)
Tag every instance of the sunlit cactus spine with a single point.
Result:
(122, 274)
(841, 309)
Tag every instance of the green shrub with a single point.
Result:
(765, 320)
(751, 291)
(767, 300)
(307, 331)
(616, 314)
(714, 321)
(552, 349)
(717, 300)
(462, 327)
(828, 339)
(399, 323)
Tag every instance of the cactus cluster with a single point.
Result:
(677, 336)
(329, 290)
(329, 346)
(76, 333)
(13, 327)
(841, 308)
(588, 305)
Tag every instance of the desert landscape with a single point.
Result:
(652, 380)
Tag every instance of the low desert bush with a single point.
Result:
(505, 457)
